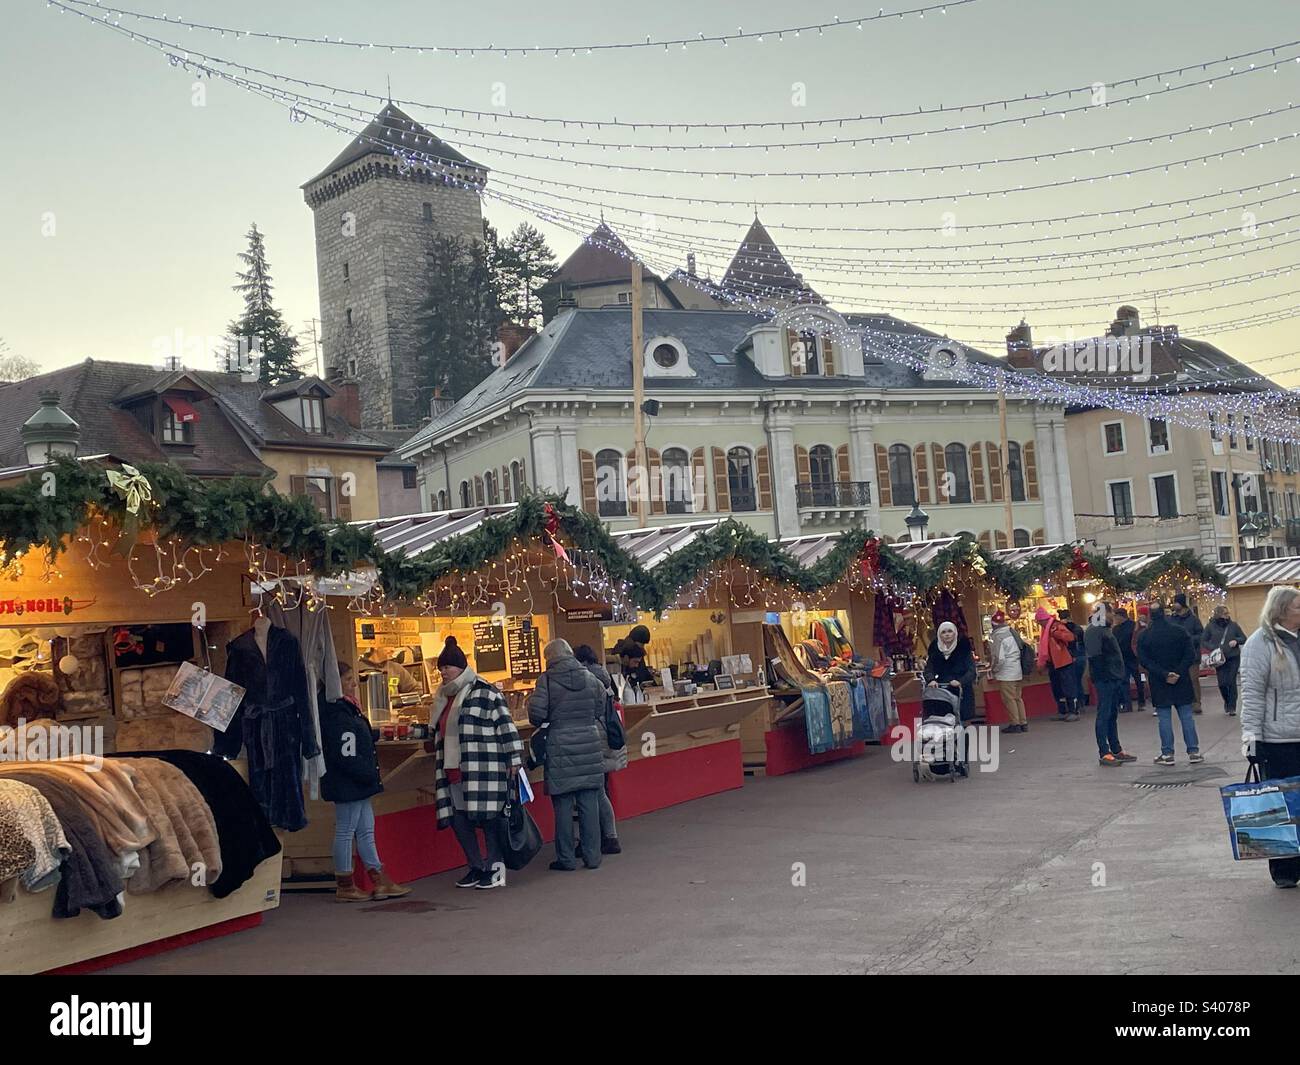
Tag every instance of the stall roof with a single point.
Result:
(1264, 571)
(418, 533)
(809, 550)
(652, 545)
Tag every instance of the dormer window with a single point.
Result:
(312, 414)
(666, 356)
(178, 418)
(174, 431)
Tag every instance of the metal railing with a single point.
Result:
(834, 493)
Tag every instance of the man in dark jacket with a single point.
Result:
(1224, 634)
(1080, 655)
(1125, 631)
(570, 702)
(1185, 618)
(1166, 653)
(1106, 664)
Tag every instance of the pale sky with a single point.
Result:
(125, 204)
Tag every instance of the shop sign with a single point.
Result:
(603, 612)
(50, 605)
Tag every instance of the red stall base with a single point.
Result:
(787, 752)
(159, 946)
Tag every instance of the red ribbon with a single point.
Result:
(1079, 563)
(869, 560)
(551, 526)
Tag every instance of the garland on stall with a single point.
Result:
(51, 506)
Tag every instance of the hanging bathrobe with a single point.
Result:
(316, 642)
(273, 722)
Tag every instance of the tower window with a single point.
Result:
(347, 273)
(428, 212)
(349, 316)
(352, 367)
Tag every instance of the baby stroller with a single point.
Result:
(938, 748)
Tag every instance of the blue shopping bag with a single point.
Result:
(1263, 816)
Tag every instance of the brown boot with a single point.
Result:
(346, 890)
(384, 886)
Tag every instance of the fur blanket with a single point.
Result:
(37, 821)
(108, 796)
(187, 841)
(29, 695)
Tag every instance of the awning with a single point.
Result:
(182, 409)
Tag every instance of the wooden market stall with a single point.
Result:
(104, 637)
(1249, 584)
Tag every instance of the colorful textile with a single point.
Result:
(817, 719)
(861, 710)
(841, 712)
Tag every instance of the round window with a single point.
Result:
(666, 356)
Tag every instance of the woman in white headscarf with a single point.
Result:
(951, 663)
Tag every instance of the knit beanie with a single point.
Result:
(452, 655)
(999, 618)
(641, 634)
(1042, 614)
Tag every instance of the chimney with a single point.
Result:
(512, 337)
(439, 404)
(1020, 346)
(346, 402)
(1126, 323)
(690, 264)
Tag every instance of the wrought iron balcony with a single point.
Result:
(833, 495)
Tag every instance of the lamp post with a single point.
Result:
(917, 522)
(1250, 535)
(49, 432)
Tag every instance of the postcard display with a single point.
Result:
(87, 663)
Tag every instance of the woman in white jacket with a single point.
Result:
(1005, 657)
(1270, 702)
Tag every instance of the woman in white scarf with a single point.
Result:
(952, 663)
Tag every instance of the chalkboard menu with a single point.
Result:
(525, 650)
(489, 647)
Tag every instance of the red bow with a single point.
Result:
(551, 526)
(1079, 563)
(125, 642)
(869, 560)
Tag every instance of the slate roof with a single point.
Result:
(394, 126)
(759, 270)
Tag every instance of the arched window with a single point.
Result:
(516, 480)
(901, 485)
(811, 361)
(442, 499)
(675, 475)
(821, 472)
(611, 492)
(465, 498)
(740, 479)
(490, 488)
(1016, 470)
(1023, 538)
(954, 461)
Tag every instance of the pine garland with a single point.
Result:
(54, 504)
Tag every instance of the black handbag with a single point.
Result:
(614, 734)
(521, 839)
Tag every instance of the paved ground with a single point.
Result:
(994, 874)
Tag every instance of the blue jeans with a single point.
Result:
(1190, 740)
(1107, 716)
(354, 819)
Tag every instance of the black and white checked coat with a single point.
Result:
(489, 746)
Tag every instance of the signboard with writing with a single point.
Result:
(489, 647)
(525, 650)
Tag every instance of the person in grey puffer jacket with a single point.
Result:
(611, 761)
(1269, 683)
(570, 701)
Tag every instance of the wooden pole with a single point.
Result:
(638, 398)
(1006, 465)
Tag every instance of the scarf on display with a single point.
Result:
(947, 608)
(947, 639)
(889, 632)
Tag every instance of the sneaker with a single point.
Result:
(1197, 710)
(1124, 756)
(470, 879)
(1283, 883)
(1195, 758)
(1072, 717)
(1024, 728)
(610, 846)
(1164, 759)
(1009, 728)
(488, 881)
(1109, 760)
(1231, 713)
(559, 868)
(1061, 717)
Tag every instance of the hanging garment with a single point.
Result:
(273, 723)
(841, 713)
(817, 719)
(244, 835)
(37, 821)
(893, 640)
(91, 875)
(947, 608)
(862, 729)
(817, 631)
(316, 642)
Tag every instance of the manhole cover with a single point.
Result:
(412, 906)
(1179, 778)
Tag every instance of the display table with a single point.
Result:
(774, 748)
(32, 941)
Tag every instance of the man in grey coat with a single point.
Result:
(570, 702)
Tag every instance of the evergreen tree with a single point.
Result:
(261, 331)
(526, 263)
(457, 321)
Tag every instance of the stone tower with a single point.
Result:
(377, 207)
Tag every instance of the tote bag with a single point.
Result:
(1262, 816)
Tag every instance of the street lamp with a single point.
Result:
(49, 432)
(1250, 535)
(917, 522)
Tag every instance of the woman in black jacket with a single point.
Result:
(1224, 634)
(951, 663)
(351, 778)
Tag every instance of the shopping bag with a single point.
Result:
(1262, 816)
(521, 839)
